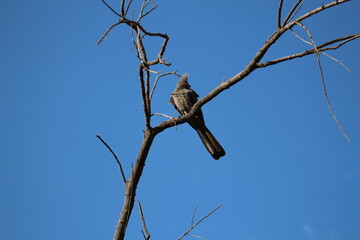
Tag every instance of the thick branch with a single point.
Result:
(132, 184)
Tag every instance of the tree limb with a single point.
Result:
(116, 158)
(131, 186)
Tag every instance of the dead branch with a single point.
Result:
(295, 9)
(197, 223)
(331, 57)
(336, 60)
(323, 81)
(161, 114)
(107, 31)
(143, 7)
(111, 9)
(279, 13)
(145, 232)
(116, 158)
(193, 216)
(157, 79)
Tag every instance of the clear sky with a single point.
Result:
(288, 173)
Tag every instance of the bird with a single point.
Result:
(183, 98)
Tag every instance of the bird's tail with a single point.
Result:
(210, 142)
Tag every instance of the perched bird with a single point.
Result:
(183, 98)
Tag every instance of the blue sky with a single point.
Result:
(288, 173)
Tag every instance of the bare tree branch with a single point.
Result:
(331, 57)
(127, 9)
(107, 5)
(293, 12)
(193, 235)
(197, 223)
(156, 81)
(107, 31)
(317, 10)
(161, 114)
(279, 13)
(130, 187)
(193, 216)
(116, 158)
(336, 60)
(323, 82)
(122, 8)
(143, 6)
(145, 231)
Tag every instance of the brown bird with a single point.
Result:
(183, 98)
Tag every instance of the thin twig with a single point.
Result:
(122, 8)
(193, 216)
(321, 48)
(193, 226)
(107, 31)
(193, 235)
(290, 14)
(116, 158)
(323, 82)
(151, 71)
(146, 234)
(127, 8)
(279, 13)
(161, 114)
(329, 56)
(143, 6)
(296, 12)
(338, 61)
(144, 15)
(156, 81)
(110, 8)
(303, 40)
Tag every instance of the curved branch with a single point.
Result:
(116, 158)
(108, 6)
